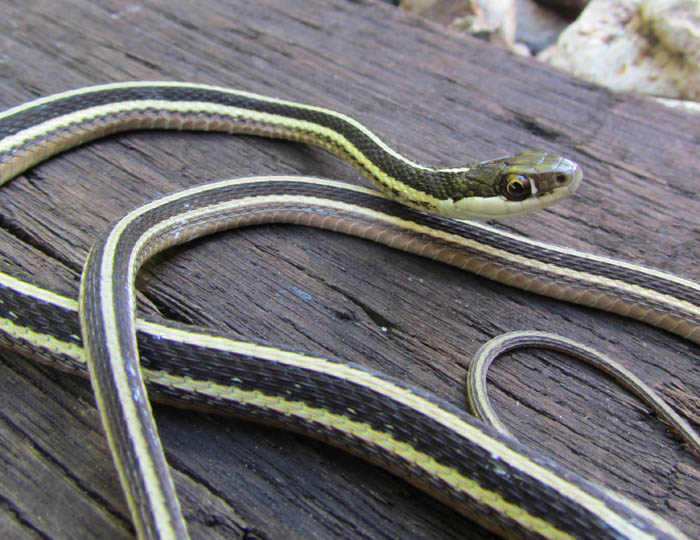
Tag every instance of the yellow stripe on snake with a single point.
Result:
(480, 472)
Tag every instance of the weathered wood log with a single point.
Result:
(438, 97)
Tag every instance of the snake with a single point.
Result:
(471, 466)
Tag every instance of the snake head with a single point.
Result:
(532, 173)
(515, 185)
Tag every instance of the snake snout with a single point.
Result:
(563, 175)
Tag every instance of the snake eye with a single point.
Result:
(515, 187)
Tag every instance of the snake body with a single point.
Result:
(451, 455)
(36, 130)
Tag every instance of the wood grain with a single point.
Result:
(439, 98)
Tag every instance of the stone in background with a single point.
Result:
(644, 46)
